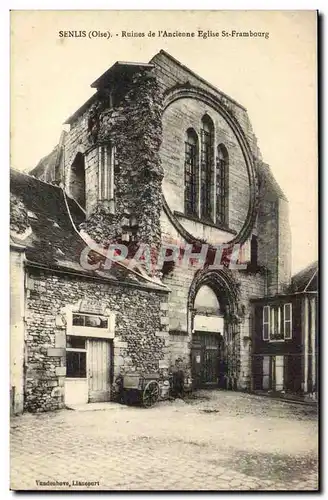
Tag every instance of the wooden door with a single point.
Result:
(205, 357)
(196, 362)
(266, 380)
(99, 370)
(279, 373)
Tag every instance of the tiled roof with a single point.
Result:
(306, 280)
(52, 241)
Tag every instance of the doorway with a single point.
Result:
(206, 359)
(273, 373)
(88, 362)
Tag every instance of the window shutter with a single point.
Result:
(266, 323)
(288, 321)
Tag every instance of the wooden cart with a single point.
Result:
(141, 388)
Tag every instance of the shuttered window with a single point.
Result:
(288, 321)
(277, 322)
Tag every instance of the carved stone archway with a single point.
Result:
(226, 288)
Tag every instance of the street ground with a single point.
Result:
(215, 440)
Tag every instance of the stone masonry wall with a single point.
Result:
(141, 331)
(16, 329)
(169, 75)
(252, 286)
(177, 119)
(268, 236)
(284, 246)
(238, 351)
(134, 128)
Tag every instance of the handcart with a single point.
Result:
(140, 388)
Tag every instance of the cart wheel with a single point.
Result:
(150, 394)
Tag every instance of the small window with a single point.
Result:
(266, 322)
(91, 321)
(277, 322)
(288, 321)
(276, 332)
(76, 364)
(78, 320)
(76, 357)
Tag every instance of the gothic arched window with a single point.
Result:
(77, 180)
(222, 170)
(206, 177)
(191, 172)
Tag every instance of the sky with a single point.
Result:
(274, 78)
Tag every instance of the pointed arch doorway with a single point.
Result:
(207, 340)
(215, 335)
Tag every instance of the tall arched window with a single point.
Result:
(206, 177)
(106, 164)
(191, 172)
(222, 169)
(77, 180)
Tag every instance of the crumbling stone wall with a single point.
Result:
(134, 127)
(141, 331)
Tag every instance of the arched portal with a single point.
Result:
(77, 180)
(213, 298)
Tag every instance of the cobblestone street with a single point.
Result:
(215, 441)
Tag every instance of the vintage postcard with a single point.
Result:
(163, 251)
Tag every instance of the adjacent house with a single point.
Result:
(285, 337)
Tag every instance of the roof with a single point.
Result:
(127, 68)
(116, 71)
(307, 279)
(50, 240)
(266, 176)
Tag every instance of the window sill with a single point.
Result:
(205, 222)
(276, 340)
(74, 379)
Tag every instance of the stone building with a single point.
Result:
(157, 156)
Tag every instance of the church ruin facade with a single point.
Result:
(157, 156)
